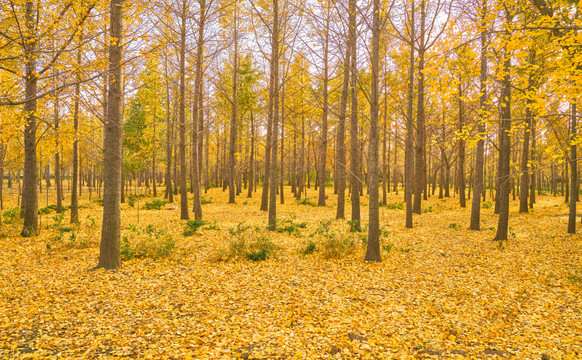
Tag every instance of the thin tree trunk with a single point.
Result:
(184, 215)
(354, 166)
(408, 151)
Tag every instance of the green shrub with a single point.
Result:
(253, 245)
(240, 228)
(336, 247)
(309, 248)
(48, 209)
(98, 201)
(192, 227)
(453, 226)
(11, 216)
(353, 225)
(426, 209)
(393, 206)
(487, 205)
(155, 204)
(211, 226)
(305, 201)
(289, 226)
(261, 249)
(132, 198)
(204, 200)
(147, 242)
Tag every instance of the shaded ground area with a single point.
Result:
(441, 291)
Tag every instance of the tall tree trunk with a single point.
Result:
(58, 182)
(341, 138)
(233, 117)
(325, 109)
(532, 190)
(76, 165)
(419, 158)
(252, 158)
(354, 159)
(29, 190)
(169, 190)
(373, 247)
(184, 215)
(479, 178)
(282, 192)
(110, 249)
(461, 163)
(408, 151)
(275, 116)
(573, 172)
(524, 186)
(504, 145)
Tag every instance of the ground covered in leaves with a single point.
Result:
(227, 288)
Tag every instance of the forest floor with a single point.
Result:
(441, 291)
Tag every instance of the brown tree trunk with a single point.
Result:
(504, 146)
(408, 151)
(373, 247)
(479, 178)
(110, 249)
(354, 159)
(184, 215)
(275, 116)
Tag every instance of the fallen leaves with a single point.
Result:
(476, 300)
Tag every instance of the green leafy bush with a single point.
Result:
(192, 227)
(309, 248)
(11, 216)
(155, 204)
(147, 242)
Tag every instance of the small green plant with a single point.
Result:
(387, 247)
(240, 228)
(132, 198)
(192, 227)
(353, 225)
(309, 248)
(453, 226)
(211, 226)
(487, 205)
(155, 204)
(204, 200)
(384, 233)
(305, 201)
(11, 216)
(48, 209)
(290, 227)
(511, 232)
(427, 209)
(394, 206)
(261, 249)
(337, 247)
(147, 242)
(500, 245)
(98, 202)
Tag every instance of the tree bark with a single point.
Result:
(408, 151)
(373, 247)
(110, 249)
(479, 178)
(184, 215)
(354, 159)
(275, 116)
(503, 177)
(341, 138)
